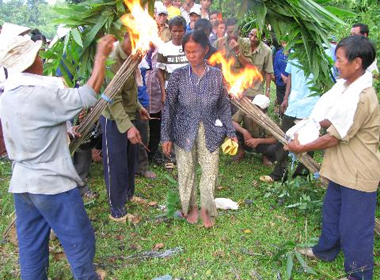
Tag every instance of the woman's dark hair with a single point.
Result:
(198, 36)
(177, 21)
(358, 46)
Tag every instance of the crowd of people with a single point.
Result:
(175, 111)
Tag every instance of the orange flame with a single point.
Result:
(237, 82)
(142, 27)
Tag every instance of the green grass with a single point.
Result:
(241, 246)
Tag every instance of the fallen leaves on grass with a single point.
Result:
(158, 246)
(255, 183)
(152, 203)
(219, 253)
(139, 200)
(59, 256)
(135, 220)
(13, 236)
(135, 247)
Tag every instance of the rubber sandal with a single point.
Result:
(266, 179)
(169, 165)
(122, 219)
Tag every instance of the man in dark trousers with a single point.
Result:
(121, 138)
(34, 110)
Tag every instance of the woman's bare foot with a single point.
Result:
(207, 221)
(192, 217)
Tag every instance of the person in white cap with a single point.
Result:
(34, 110)
(186, 7)
(195, 15)
(251, 136)
(161, 17)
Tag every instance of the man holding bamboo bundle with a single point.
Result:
(34, 110)
(121, 138)
(350, 112)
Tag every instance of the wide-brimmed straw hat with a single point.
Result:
(10, 29)
(18, 53)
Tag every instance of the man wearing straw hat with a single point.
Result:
(34, 110)
(7, 30)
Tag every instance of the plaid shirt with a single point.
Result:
(190, 100)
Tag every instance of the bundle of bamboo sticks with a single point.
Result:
(128, 68)
(265, 122)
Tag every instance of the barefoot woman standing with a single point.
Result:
(196, 118)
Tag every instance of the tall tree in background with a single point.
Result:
(34, 10)
(31, 13)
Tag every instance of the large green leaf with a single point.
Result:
(340, 12)
(289, 265)
(89, 38)
(304, 264)
(77, 37)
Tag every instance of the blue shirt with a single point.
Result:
(331, 53)
(142, 93)
(191, 100)
(300, 103)
(188, 29)
(280, 61)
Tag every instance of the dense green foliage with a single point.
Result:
(32, 13)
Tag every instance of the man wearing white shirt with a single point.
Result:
(44, 181)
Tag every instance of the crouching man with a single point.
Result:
(34, 110)
(252, 137)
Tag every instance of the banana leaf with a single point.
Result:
(305, 25)
(88, 21)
